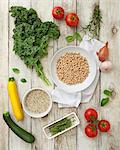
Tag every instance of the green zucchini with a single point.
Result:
(26, 136)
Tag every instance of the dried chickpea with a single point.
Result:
(72, 68)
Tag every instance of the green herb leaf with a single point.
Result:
(93, 28)
(60, 126)
(16, 70)
(107, 92)
(104, 101)
(78, 36)
(70, 38)
(23, 80)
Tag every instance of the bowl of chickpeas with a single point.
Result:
(73, 69)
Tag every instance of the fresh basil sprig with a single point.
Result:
(71, 38)
(106, 99)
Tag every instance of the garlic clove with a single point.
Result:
(106, 66)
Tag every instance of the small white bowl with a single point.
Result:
(32, 114)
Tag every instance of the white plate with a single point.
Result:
(76, 87)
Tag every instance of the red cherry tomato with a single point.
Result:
(72, 20)
(91, 115)
(91, 130)
(104, 126)
(58, 12)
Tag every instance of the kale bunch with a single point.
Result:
(31, 38)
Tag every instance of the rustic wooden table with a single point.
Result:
(74, 139)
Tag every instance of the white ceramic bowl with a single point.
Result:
(76, 87)
(32, 114)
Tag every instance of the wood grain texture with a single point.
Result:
(84, 10)
(110, 31)
(43, 9)
(14, 61)
(3, 72)
(74, 139)
(66, 141)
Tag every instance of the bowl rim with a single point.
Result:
(62, 86)
(32, 114)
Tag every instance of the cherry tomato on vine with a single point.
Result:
(91, 130)
(91, 115)
(104, 125)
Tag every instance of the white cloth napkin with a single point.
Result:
(65, 99)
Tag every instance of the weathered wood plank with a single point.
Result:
(84, 10)
(14, 61)
(66, 141)
(75, 139)
(110, 31)
(43, 9)
(3, 72)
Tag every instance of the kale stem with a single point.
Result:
(42, 75)
(45, 79)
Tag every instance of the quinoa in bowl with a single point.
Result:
(37, 103)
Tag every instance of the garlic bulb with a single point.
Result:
(106, 66)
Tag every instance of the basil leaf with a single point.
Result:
(104, 101)
(16, 70)
(69, 38)
(107, 92)
(23, 80)
(78, 36)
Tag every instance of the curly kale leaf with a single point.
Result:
(31, 37)
(23, 15)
